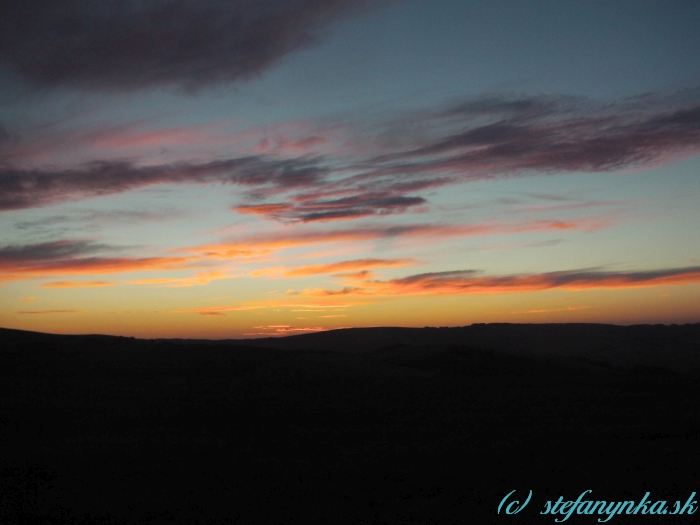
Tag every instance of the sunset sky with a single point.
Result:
(238, 168)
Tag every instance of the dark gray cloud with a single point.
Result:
(25, 188)
(47, 251)
(354, 207)
(126, 44)
(514, 106)
(590, 137)
(334, 209)
(73, 256)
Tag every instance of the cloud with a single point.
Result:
(592, 139)
(85, 257)
(473, 139)
(549, 310)
(218, 311)
(487, 138)
(319, 292)
(263, 245)
(273, 330)
(335, 268)
(124, 45)
(200, 278)
(320, 306)
(352, 207)
(465, 282)
(571, 206)
(77, 284)
(114, 141)
(343, 266)
(47, 251)
(89, 221)
(26, 188)
(39, 312)
(74, 257)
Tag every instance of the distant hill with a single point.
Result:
(673, 346)
(676, 347)
(367, 425)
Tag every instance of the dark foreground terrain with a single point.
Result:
(380, 426)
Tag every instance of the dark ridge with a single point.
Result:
(431, 425)
(672, 346)
(675, 347)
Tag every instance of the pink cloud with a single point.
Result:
(468, 282)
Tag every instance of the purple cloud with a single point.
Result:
(47, 251)
(476, 139)
(334, 209)
(26, 188)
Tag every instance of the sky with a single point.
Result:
(247, 168)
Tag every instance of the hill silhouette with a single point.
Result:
(380, 425)
(676, 347)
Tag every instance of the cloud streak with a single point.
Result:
(476, 139)
(74, 257)
(27, 188)
(466, 282)
(320, 210)
(41, 312)
(199, 279)
(264, 245)
(218, 311)
(346, 266)
(78, 284)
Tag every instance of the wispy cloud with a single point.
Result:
(88, 217)
(74, 257)
(352, 207)
(357, 268)
(473, 282)
(219, 310)
(280, 330)
(198, 279)
(117, 45)
(474, 139)
(550, 310)
(77, 284)
(40, 312)
(84, 257)
(26, 188)
(89, 222)
(345, 266)
(266, 244)
(494, 137)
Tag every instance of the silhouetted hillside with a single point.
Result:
(99, 429)
(676, 347)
